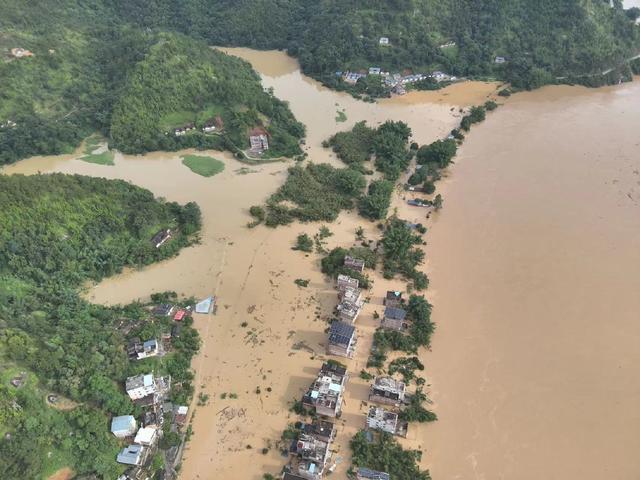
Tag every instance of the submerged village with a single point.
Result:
(310, 444)
(159, 426)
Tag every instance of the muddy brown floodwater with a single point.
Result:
(535, 271)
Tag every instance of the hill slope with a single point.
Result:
(58, 232)
(91, 71)
(541, 39)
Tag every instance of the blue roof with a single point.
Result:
(372, 474)
(123, 423)
(394, 313)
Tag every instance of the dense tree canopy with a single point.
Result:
(58, 232)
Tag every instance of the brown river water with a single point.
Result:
(535, 277)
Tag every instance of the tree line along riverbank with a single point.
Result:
(396, 256)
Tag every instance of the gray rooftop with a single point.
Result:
(341, 333)
(372, 474)
(395, 313)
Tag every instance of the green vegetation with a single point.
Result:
(385, 454)
(341, 116)
(400, 253)
(405, 366)
(540, 40)
(313, 193)
(415, 412)
(94, 69)
(333, 263)
(440, 153)
(96, 151)
(205, 166)
(301, 282)
(388, 143)
(390, 146)
(477, 114)
(419, 334)
(304, 243)
(375, 205)
(58, 233)
(113, 66)
(353, 147)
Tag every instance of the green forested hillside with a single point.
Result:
(93, 69)
(59, 231)
(182, 81)
(541, 39)
(108, 65)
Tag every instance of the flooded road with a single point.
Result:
(534, 265)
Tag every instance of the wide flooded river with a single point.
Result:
(535, 277)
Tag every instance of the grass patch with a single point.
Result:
(341, 116)
(104, 158)
(91, 146)
(205, 166)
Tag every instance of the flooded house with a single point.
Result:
(355, 264)
(259, 140)
(163, 310)
(326, 393)
(161, 237)
(394, 318)
(348, 312)
(368, 474)
(351, 295)
(386, 421)
(393, 299)
(342, 339)
(320, 429)
(310, 456)
(345, 281)
(387, 391)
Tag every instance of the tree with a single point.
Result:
(375, 204)
(440, 153)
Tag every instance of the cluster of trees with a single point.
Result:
(387, 144)
(60, 231)
(419, 335)
(318, 191)
(355, 146)
(375, 205)
(385, 454)
(401, 254)
(332, 264)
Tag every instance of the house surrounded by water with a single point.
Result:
(387, 391)
(326, 393)
(342, 339)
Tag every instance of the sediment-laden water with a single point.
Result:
(534, 265)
